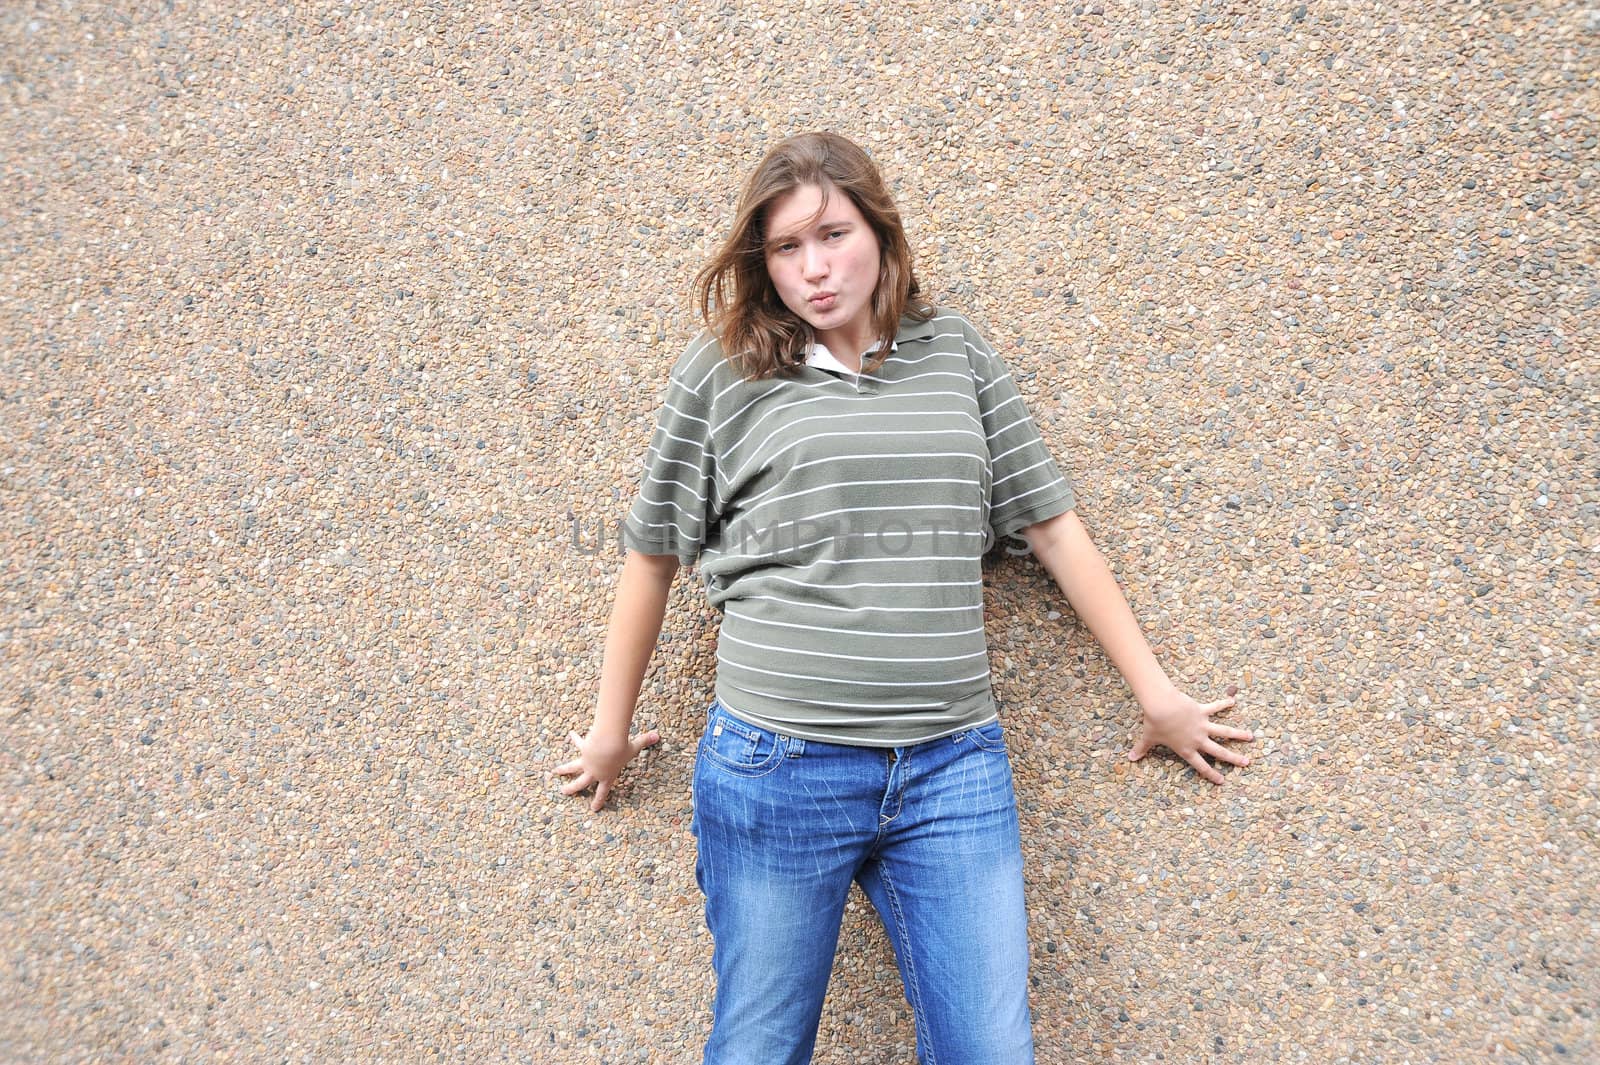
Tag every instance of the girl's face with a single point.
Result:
(825, 267)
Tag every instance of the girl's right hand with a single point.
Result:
(600, 759)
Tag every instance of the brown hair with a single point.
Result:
(751, 320)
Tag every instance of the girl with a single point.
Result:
(838, 455)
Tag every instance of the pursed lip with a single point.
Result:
(822, 296)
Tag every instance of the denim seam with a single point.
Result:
(983, 743)
(914, 986)
(741, 768)
(900, 798)
(744, 770)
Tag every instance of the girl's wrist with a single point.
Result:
(611, 725)
(1155, 688)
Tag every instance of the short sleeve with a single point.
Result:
(1026, 486)
(676, 508)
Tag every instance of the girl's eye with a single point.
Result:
(837, 233)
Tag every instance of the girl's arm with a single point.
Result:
(1171, 718)
(636, 617)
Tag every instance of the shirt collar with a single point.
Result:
(818, 355)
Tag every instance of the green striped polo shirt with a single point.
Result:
(839, 523)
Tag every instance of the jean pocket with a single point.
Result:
(990, 737)
(740, 747)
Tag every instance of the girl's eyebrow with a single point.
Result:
(839, 223)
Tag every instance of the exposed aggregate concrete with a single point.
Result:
(333, 334)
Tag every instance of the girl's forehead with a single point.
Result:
(808, 205)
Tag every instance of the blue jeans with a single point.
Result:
(930, 833)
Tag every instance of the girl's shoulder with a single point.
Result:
(700, 360)
(941, 318)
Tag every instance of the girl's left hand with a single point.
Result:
(1184, 726)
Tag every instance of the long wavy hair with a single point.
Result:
(735, 293)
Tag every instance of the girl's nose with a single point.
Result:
(815, 263)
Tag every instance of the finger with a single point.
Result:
(600, 794)
(576, 742)
(567, 768)
(1229, 733)
(1222, 753)
(1201, 767)
(649, 739)
(1220, 704)
(1140, 749)
(578, 785)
